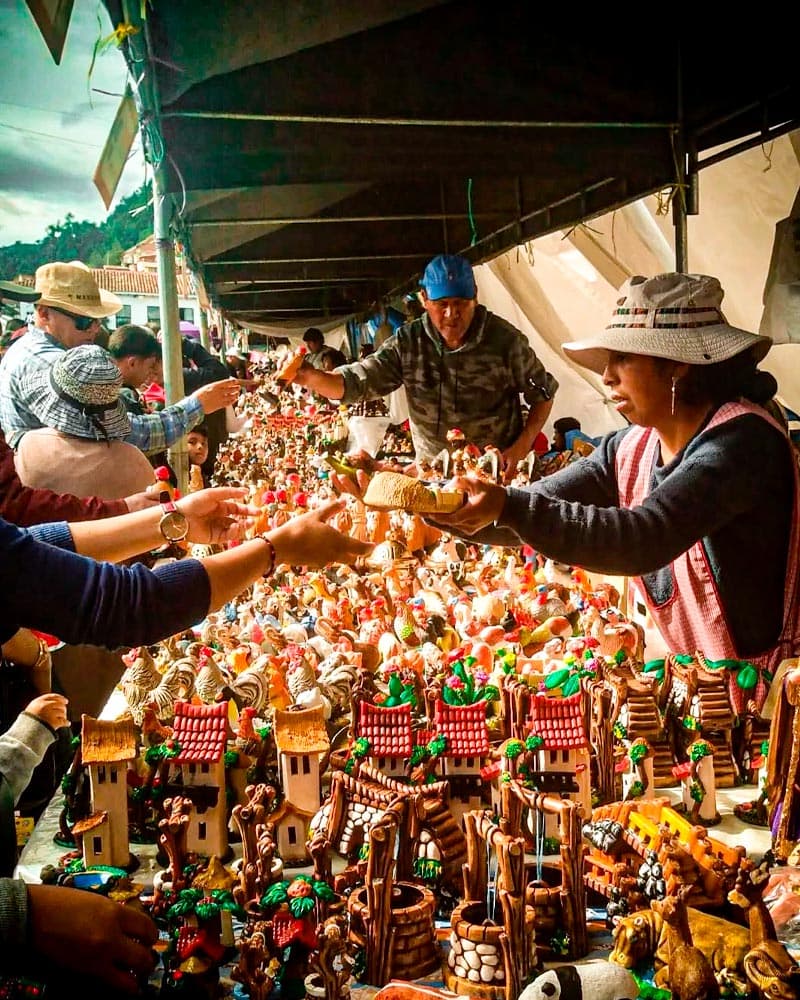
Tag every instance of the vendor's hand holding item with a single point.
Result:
(482, 504)
(395, 491)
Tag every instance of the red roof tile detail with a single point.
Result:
(125, 281)
(559, 721)
(201, 731)
(387, 729)
(464, 727)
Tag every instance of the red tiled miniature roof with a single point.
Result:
(387, 729)
(201, 731)
(464, 727)
(559, 721)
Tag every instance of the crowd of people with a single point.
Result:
(673, 500)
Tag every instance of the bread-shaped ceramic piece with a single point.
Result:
(394, 491)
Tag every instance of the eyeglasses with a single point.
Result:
(82, 323)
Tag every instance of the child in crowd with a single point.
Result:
(197, 448)
(22, 747)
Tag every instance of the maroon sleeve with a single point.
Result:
(24, 505)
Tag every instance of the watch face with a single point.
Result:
(174, 526)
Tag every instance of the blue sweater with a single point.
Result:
(55, 590)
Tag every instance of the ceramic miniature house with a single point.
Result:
(107, 749)
(467, 751)
(198, 772)
(563, 760)
(302, 741)
(388, 731)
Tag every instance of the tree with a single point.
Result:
(95, 245)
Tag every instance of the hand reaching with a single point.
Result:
(218, 395)
(89, 934)
(50, 708)
(484, 504)
(217, 515)
(308, 540)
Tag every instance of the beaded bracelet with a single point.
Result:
(272, 557)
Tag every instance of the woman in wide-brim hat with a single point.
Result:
(80, 448)
(696, 500)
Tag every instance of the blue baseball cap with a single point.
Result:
(449, 276)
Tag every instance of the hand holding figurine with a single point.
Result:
(484, 504)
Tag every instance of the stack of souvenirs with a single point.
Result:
(375, 745)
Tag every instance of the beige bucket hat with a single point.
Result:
(72, 287)
(674, 316)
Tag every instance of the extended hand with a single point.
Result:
(142, 501)
(91, 935)
(217, 515)
(308, 541)
(512, 456)
(484, 504)
(50, 708)
(217, 395)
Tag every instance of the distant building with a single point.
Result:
(135, 281)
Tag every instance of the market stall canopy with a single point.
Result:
(320, 154)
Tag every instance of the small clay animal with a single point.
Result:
(690, 974)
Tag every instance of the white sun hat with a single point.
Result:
(674, 316)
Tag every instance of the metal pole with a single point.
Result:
(171, 354)
(679, 199)
(148, 107)
(205, 339)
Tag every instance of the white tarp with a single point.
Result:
(563, 286)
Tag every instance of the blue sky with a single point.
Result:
(54, 121)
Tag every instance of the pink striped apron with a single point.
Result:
(693, 618)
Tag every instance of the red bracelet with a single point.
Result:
(272, 557)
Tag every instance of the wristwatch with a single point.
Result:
(173, 524)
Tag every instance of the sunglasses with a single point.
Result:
(82, 323)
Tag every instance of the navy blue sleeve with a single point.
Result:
(84, 601)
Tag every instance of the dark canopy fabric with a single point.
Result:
(320, 154)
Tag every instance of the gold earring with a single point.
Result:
(672, 404)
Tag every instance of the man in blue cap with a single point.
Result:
(462, 367)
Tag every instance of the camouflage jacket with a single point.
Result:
(478, 387)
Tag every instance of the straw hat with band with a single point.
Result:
(673, 316)
(79, 394)
(71, 287)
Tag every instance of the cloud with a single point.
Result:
(55, 125)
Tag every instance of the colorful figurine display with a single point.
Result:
(341, 768)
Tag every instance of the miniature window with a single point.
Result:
(292, 833)
(97, 845)
(201, 831)
(101, 774)
(293, 769)
(457, 762)
(306, 764)
(565, 756)
(113, 776)
(204, 768)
